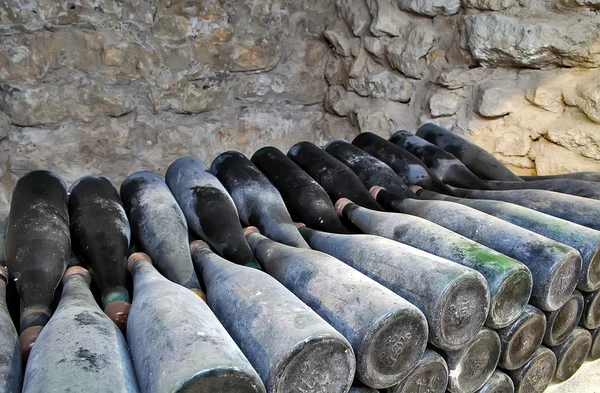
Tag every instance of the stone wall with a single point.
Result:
(115, 86)
(518, 77)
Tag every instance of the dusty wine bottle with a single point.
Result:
(472, 365)
(38, 246)
(101, 236)
(408, 167)
(454, 298)
(582, 188)
(444, 165)
(520, 340)
(479, 161)
(430, 375)
(336, 178)
(595, 348)
(210, 212)
(536, 374)
(177, 344)
(305, 199)
(10, 351)
(80, 347)
(580, 210)
(159, 226)
(369, 169)
(289, 345)
(258, 202)
(583, 239)
(590, 319)
(560, 323)
(357, 389)
(498, 383)
(589, 176)
(555, 267)
(388, 334)
(571, 354)
(509, 281)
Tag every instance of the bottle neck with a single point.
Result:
(209, 264)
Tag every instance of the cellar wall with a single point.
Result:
(116, 86)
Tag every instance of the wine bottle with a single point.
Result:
(555, 267)
(536, 374)
(520, 340)
(177, 344)
(388, 334)
(336, 178)
(454, 298)
(356, 389)
(408, 167)
(471, 366)
(101, 236)
(590, 319)
(589, 176)
(583, 239)
(509, 281)
(10, 352)
(479, 161)
(80, 348)
(582, 188)
(289, 345)
(595, 348)
(258, 202)
(38, 246)
(430, 375)
(209, 210)
(369, 169)
(580, 210)
(305, 199)
(560, 323)
(159, 227)
(498, 383)
(444, 165)
(571, 354)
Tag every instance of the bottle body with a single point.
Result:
(589, 176)
(336, 178)
(101, 236)
(555, 267)
(498, 383)
(583, 239)
(305, 199)
(369, 169)
(479, 161)
(471, 366)
(582, 211)
(430, 374)
(288, 344)
(209, 210)
(509, 281)
(80, 347)
(595, 347)
(590, 318)
(38, 246)
(536, 374)
(258, 202)
(454, 299)
(388, 334)
(10, 350)
(445, 166)
(408, 167)
(520, 340)
(571, 354)
(159, 227)
(582, 188)
(177, 344)
(560, 323)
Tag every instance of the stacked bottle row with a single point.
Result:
(391, 282)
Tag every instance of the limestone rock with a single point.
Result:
(356, 14)
(498, 40)
(409, 56)
(497, 101)
(492, 5)
(4, 124)
(374, 46)
(376, 121)
(342, 45)
(553, 159)
(430, 7)
(443, 103)
(386, 18)
(459, 77)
